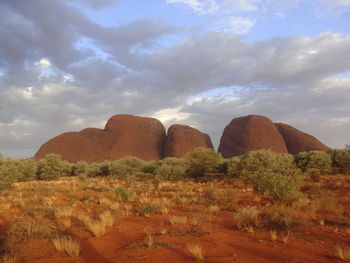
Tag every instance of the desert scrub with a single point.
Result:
(274, 174)
(97, 227)
(340, 160)
(52, 167)
(203, 160)
(342, 252)
(314, 163)
(68, 245)
(196, 251)
(126, 167)
(22, 232)
(246, 217)
(172, 169)
(80, 168)
(123, 194)
(279, 217)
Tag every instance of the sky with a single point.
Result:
(70, 64)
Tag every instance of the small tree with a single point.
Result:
(275, 175)
(172, 168)
(347, 147)
(52, 166)
(314, 163)
(340, 160)
(203, 160)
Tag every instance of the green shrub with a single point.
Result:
(150, 167)
(80, 168)
(93, 170)
(172, 168)
(122, 194)
(170, 172)
(203, 160)
(340, 160)
(11, 170)
(314, 163)
(232, 166)
(52, 166)
(29, 168)
(274, 174)
(126, 167)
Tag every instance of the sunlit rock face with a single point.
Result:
(182, 139)
(256, 132)
(123, 135)
(250, 133)
(298, 141)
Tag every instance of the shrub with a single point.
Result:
(93, 170)
(275, 175)
(11, 170)
(52, 166)
(340, 160)
(172, 168)
(247, 217)
(80, 168)
(314, 163)
(123, 194)
(232, 166)
(203, 160)
(279, 217)
(29, 169)
(126, 167)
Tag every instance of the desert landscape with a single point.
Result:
(181, 202)
(174, 131)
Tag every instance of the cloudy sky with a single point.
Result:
(70, 64)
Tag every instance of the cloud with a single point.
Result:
(198, 6)
(235, 25)
(60, 72)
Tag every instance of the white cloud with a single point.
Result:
(198, 6)
(235, 25)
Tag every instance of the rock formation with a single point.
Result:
(298, 141)
(123, 135)
(182, 139)
(250, 133)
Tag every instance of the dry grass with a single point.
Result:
(106, 218)
(342, 252)
(97, 227)
(178, 220)
(67, 244)
(273, 235)
(63, 212)
(246, 217)
(196, 251)
(8, 259)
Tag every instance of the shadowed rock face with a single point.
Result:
(124, 135)
(182, 139)
(298, 141)
(250, 133)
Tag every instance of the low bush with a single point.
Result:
(247, 217)
(52, 166)
(202, 161)
(123, 194)
(172, 168)
(11, 170)
(279, 217)
(126, 167)
(340, 160)
(80, 168)
(314, 163)
(275, 175)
